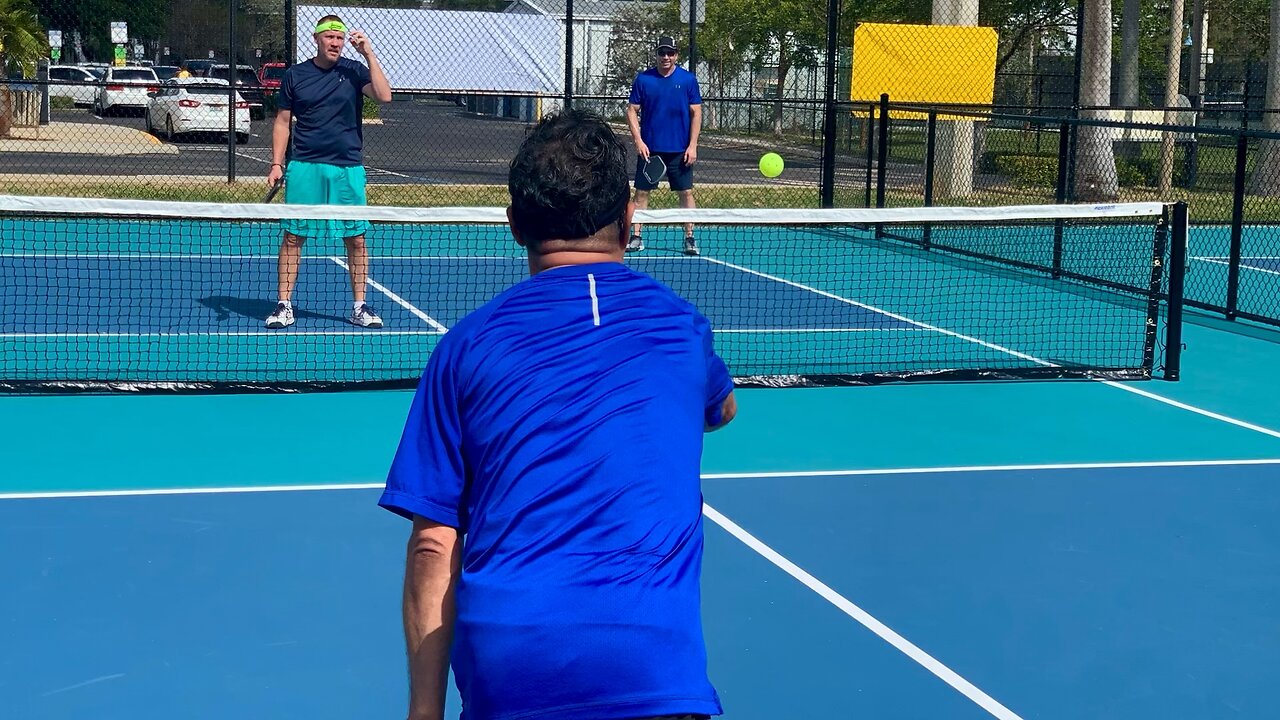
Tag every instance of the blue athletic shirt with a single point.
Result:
(560, 428)
(664, 107)
(327, 105)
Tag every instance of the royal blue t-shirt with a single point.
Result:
(560, 428)
(664, 107)
(327, 105)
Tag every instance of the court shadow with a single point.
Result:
(257, 309)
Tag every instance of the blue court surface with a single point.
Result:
(1022, 550)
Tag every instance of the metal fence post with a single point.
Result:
(1237, 226)
(231, 91)
(826, 190)
(882, 150)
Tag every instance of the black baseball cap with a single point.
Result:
(666, 41)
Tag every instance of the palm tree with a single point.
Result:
(1096, 179)
(22, 38)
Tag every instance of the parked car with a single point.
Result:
(73, 82)
(99, 70)
(270, 75)
(246, 84)
(165, 72)
(200, 68)
(125, 87)
(183, 106)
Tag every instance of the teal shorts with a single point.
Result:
(308, 183)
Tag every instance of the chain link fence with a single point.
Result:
(86, 107)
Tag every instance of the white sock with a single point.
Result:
(287, 304)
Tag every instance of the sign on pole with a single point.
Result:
(55, 38)
(684, 11)
(119, 33)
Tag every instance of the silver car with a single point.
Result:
(125, 87)
(73, 82)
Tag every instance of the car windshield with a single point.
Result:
(274, 72)
(133, 75)
(165, 72)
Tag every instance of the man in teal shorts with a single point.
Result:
(325, 95)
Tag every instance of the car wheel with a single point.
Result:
(242, 138)
(168, 128)
(151, 130)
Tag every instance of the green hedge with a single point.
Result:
(1042, 171)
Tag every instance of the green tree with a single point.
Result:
(22, 37)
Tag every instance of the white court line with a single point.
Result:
(768, 331)
(906, 647)
(397, 299)
(991, 468)
(1220, 261)
(251, 333)
(1023, 356)
(72, 494)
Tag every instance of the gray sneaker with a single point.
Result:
(364, 316)
(690, 246)
(281, 317)
(635, 244)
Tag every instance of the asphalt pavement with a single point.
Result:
(413, 141)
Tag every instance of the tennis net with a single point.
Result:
(115, 295)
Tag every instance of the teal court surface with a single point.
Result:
(1033, 550)
(1049, 550)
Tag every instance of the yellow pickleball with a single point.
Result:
(771, 165)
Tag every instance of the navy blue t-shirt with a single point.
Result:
(327, 105)
(664, 107)
(560, 428)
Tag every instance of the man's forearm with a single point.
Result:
(378, 79)
(280, 137)
(633, 124)
(429, 613)
(695, 125)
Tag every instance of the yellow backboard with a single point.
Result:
(924, 64)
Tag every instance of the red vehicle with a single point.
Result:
(270, 75)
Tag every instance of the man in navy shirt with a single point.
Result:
(326, 96)
(668, 103)
(550, 465)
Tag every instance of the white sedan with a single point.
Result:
(125, 87)
(195, 105)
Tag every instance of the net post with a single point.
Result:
(882, 151)
(930, 161)
(871, 150)
(1176, 273)
(1151, 336)
(1237, 226)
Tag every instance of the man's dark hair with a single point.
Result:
(569, 179)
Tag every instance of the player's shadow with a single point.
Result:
(257, 309)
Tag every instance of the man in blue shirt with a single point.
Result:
(326, 96)
(558, 429)
(665, 117)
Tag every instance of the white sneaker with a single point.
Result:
(282, 317)
(635, 244)
(364, 316)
